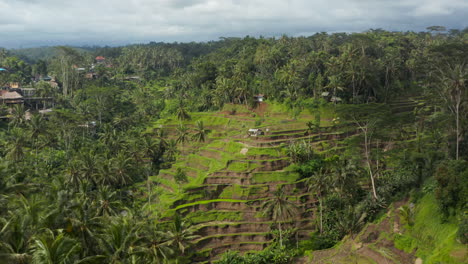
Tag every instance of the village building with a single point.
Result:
(28, 92)
(91, 75)
(334, 99)
(100, 59)
(10, 97)
(259, 98)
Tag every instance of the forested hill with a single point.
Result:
(331, 148)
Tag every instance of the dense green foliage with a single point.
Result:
(75, 183)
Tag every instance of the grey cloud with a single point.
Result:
(46, 22)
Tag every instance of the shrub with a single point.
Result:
(452, 185)
(462, 233)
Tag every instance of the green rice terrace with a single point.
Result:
(232, 174)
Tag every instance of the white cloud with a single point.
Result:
(34, 22)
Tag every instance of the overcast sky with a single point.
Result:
(27, 23)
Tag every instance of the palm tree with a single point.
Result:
(18, 115)
(200, 132)
(89, 161)
(14, 239)
(107, 203)
(180, 235)
(182, 134)
(15, 150)
(82, 222)
(182, 113)
(152, 149)
(73, 174)
(55, 249)
(279, 209)
(154, 248)
(171, 150)
(452, 88)
(121, 167)
(119, 238)
(318, 184)
(350, 221)
(161, 136)
(36, 128)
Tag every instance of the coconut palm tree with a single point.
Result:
(200, 132)
(182, 134)
(107, 202)
(55, 249)
(161, 136)
(18, 116)
(280, 210)
(154, 248)
(36, 128)
(73, 176)
(318, 184)
(171, 150)
(180, 235)
(121, 167)
(119, 239)
(452, 87)
(350, 221)
(16, 148)
(182, 113)
(15, 234)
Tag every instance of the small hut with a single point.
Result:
(255, 132)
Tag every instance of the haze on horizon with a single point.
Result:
(31, 23)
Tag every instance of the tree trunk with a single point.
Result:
(321, 215)
(371, 174)
(457, 120)
(281, 235)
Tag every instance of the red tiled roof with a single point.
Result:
(100, 58)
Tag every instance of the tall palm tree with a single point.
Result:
(182, 113)
(280, 210)
(18, 116)
(171, 150)
(182, 134)
(452, 87)
(200, 132)
(107, 202)
(180, 235)
(154, 248)
(16, 148)
(89, 165)
(121, 167)
(119, 238)
(161, 136)
(73, 176)
(318, 184)
(36, 128)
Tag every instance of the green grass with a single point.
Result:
(273, 152)
(234, 191)
(275, 176)
(433, 240)
(241, 166)
(208, 202)
(210, 216)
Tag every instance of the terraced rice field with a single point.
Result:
(232, 174)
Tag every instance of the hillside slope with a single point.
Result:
(389, 240)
